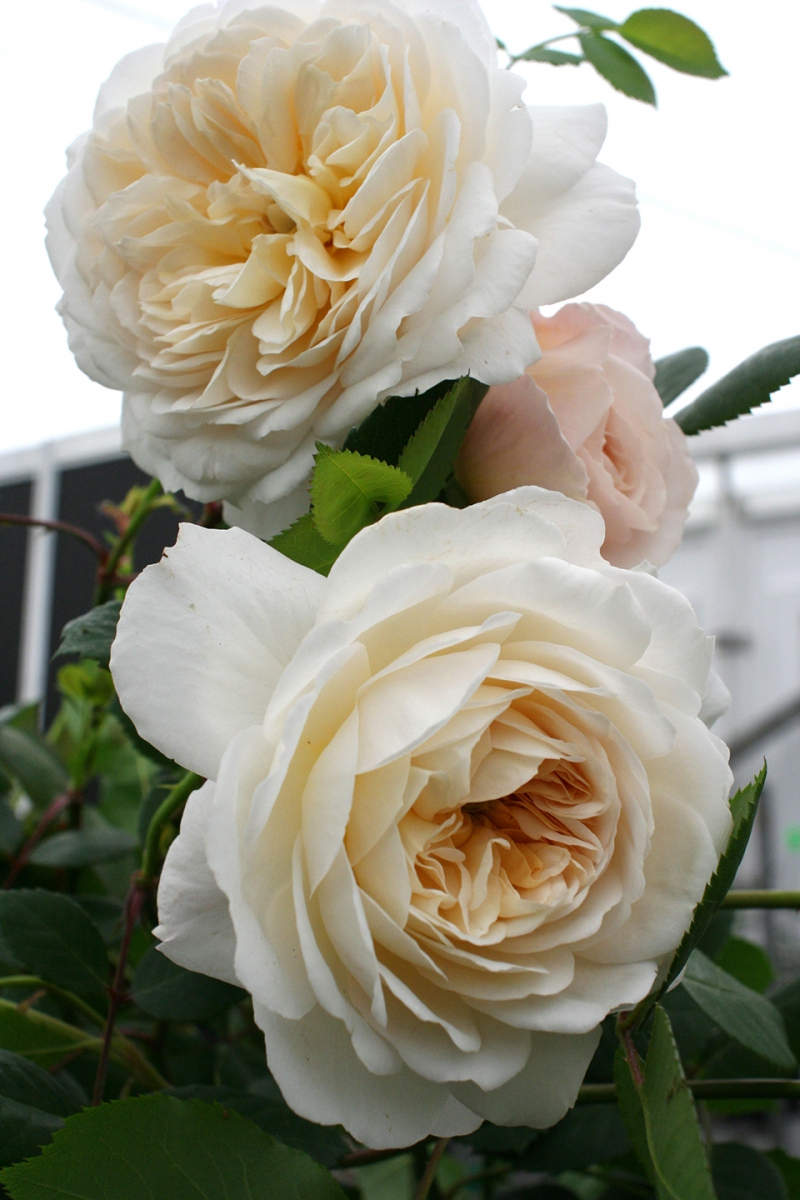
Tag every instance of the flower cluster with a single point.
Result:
(461, 795)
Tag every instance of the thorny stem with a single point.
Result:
(429, 1175)
(629, 1048)
(97, 548)
(133, 905)
(107, 572)
(48, 816)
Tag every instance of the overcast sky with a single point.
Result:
(717, 262)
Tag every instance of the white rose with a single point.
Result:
(285, 215)
(460, 803)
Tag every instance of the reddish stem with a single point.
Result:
(632, 1058)
(97, 548)
(48, 816)
(117, 993)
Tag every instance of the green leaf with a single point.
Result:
(618, 67)
(171, 993)
(556, 58)
(430, 454)
(742, 1173)
(587, 1135)
(790, 1170)
(10, 829)
(350, 490)
(672, 39)
(744, 388)
(387, 429)
(324, 1143)
(670, 1118)
(743, 1014)
(91, 635)
(29, 759)
(743, 805)
(107, 914)
(39, 1037)
(303, 543)
(676, 372)
(55, 939)
(33, 1106)
(589, 20)
(84, 847)
(159, 1148)
(746, 962)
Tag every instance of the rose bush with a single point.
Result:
(587, 421)
(460, 801)
(284, 215)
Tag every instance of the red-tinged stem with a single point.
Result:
(631, 1053)
(97, 548)
(116, 994)
(426, 1183)
(48, 816)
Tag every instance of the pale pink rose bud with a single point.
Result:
(587, 421)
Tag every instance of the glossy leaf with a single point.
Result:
(350, 490)
(29, 759)
(91, 635)
(585, 18)
(430, 454)
(672, 39)
(386, 431)
(38, 1036)
(743, 1014)
(54, 938)
(33, 1106)
(324, 1143)
(676, 372)
(744, 388)
(159, 1148)
(163, 989)
(618, 67)
(742, 1173)
(84, 847)
(673, 1135)
(556, 58)
(303, 543)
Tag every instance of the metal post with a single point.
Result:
(39, 571)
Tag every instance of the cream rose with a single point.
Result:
(587, 421)
(284, 215)
(460, 803)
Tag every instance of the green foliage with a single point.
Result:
(744, 388)
(743, 1014)
(326, 1144)
(746, 962)
(52, 937)
(33, 1106)
(91, 635)
(742, 1173)
(676, 372)
(10, 829)
(303, 543)
(27, 758)
(672, 39)
(587, 1135)
(83, 847)
(790, 1171)
(617, 66)
(586, 19)
(171, 993)
(430, 453)
(39, 1037)
(556, 58)
(664, 1130)
(157, 1146)
(350, 490)
(744, 805)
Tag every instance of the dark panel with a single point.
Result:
(14, 498)
(83, 490)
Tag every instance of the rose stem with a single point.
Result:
(761, 898)
(48, 816)
(133, 906)
(707, 1089)
(97, 548)
(107, 571)
(429, 1175)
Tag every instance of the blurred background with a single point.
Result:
(717, 264)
